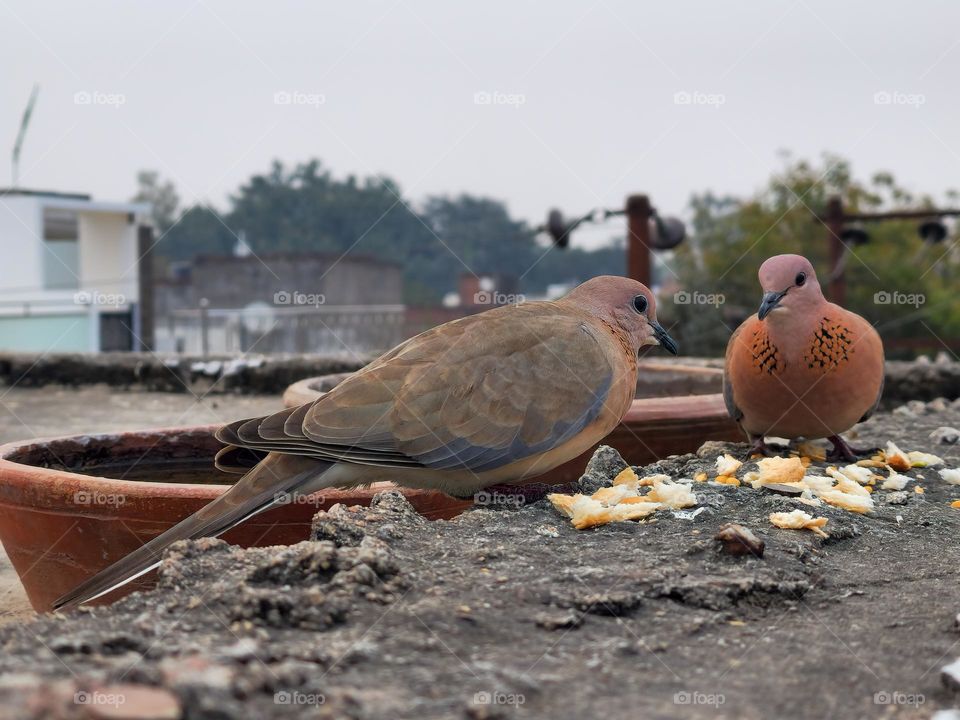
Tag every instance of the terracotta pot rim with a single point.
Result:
(303, 391)
(21, 475)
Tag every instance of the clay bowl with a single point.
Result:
(71, 506)
(678, 408)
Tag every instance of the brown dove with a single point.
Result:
(493, 398)
(802, 366)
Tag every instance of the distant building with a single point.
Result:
(69, 276)
(280, 302)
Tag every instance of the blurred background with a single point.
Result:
(209, 178)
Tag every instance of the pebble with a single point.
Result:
(899, 497)
(950, 674)
(945, 434)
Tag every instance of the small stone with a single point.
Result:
(937, 405)
(950, 674)
(735, 539)
(904, 411)
(603, 467)
(945, 434)
(899, 497)
(951, 714)
(559, 620)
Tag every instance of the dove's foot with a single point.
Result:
(843, 451)
(760, 447)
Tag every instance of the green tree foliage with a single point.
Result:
(161, 195)
(732, 237)
(306, 209)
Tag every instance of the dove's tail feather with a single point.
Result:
(270, 483)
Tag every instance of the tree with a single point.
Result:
(162, 197)
(732, 237)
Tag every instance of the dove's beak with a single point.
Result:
(770, 301)
(665, 341)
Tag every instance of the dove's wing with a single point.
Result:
(475, 394)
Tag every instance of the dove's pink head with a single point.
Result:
(626, 304)
(789, 285)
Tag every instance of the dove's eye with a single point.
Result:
(640, 304)
(800, 279)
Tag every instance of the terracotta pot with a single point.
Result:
(71, 506)
(678, 408)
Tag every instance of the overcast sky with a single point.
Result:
(539, 104)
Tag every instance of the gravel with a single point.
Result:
(508, 612)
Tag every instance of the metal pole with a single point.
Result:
(639, 255)
(204, 327)
(145, 306)
(833, 219)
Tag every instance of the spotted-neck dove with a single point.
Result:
(802, 366)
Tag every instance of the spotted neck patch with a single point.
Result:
(766, 357)
(830, 347)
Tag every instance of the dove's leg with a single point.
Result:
(843, 451)
(759, 447)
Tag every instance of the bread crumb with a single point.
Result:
(799, 520)
(626, 476)
(728, 465)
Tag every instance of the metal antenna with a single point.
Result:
(23, 131)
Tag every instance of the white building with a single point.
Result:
(69, 273)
